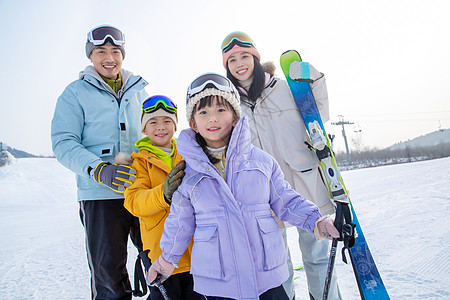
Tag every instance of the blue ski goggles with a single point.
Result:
(211, 80)
(99, 35)
(156, 102)
(237, 38)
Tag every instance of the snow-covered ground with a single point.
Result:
(403, 210)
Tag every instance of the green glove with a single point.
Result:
(173, 180)
(115, 176)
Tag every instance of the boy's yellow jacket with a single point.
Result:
(145, 199)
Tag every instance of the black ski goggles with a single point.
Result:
(237, 38)
(212, 80)
(98, 35)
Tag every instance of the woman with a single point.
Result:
(277, 128)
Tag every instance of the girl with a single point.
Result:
(278, 129)
(225, 202)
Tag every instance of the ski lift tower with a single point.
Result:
(342, 123)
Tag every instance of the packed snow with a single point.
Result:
(403, 210)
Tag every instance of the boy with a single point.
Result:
(149, 197)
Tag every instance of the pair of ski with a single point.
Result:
(367, 276)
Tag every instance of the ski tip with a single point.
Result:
(292, 54)
(292, 50)
(287, 58)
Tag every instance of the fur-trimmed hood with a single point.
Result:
(269, 67)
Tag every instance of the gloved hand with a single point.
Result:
(115, 176)
(173, 180)
(299, 70)
(326, 229)
(160, 267)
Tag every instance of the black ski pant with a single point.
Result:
(277, 293)
(178, 286)
(107, 225)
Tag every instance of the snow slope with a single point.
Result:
(403, 210)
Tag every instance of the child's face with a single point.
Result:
(241, 65)
(160, 131)
(214, 123)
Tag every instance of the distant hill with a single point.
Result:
(436, 138)
(430, 146)
(15, 152)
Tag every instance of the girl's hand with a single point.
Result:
(326, 229)
(161, 267)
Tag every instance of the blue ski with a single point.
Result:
(367, 276)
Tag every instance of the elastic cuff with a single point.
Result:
(316, 229)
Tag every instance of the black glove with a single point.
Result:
(173, 180)
(115, 176)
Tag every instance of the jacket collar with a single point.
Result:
(146, 144)
(90, 71)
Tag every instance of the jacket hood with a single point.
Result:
(240, 144)
(269, 70)
(269, 67)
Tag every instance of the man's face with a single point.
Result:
(107, 60)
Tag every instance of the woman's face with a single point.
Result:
(241, 65)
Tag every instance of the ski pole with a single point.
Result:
(346, 230)
(158, 284)
(338, 222)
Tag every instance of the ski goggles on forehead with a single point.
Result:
(156, 102)
(98, 36)
(237, 38)
(211, 80)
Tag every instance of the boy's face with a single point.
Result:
(107, 60)
(160, 131)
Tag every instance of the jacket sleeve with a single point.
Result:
(66, 135)
(288, 205)
(143, 198)
(178, 228)
(319, 90)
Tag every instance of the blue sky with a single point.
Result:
(386, 63)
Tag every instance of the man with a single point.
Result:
(95, 117)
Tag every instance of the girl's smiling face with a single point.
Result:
(214, 121)
(241, 65)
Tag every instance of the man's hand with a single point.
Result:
(115, 176)
(173, 180)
